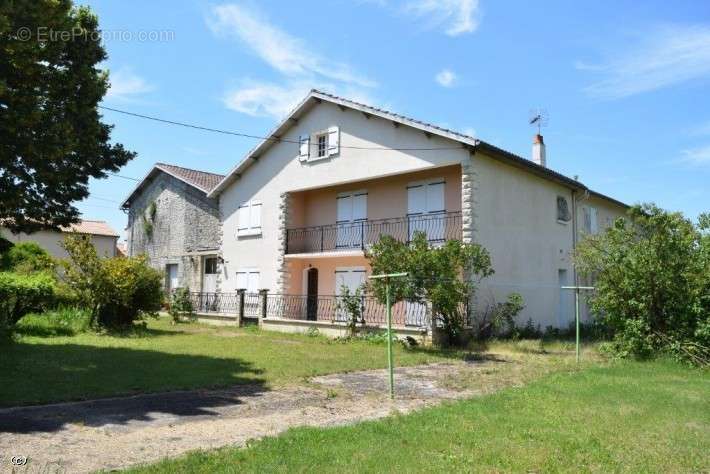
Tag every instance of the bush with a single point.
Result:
(58, 322)
(21, 294)
(181, 305)
(117, 291)
(498, 319)
(351, 304)
(652, 279)
(26, 257)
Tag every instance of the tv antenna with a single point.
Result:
(539, 118)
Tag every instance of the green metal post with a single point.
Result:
(576, 319)
(390, 361)
(388, 302)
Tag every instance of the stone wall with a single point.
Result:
(186, 223)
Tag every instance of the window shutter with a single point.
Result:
(253, 282)
(242, 280)
(243, 217)
(333, 141)
(435, 198)
(255, 215)
(593, 220)
(304, 147)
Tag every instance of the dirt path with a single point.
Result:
(116, 433)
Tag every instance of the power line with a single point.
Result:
(124, 177)
(258, 137)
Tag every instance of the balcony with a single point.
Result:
(359, 235)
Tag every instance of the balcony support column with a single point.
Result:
(469, 217)
(282, 280)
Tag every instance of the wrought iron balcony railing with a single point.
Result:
(439, 227)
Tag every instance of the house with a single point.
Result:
(102, 236)
(173, 222)
(299, 211)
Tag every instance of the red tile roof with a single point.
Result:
(200, 179)
(91, 227)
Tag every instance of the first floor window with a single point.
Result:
(249, 218)
(563, 213)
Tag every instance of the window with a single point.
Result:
(249, 218)
(326, 144)
(563, 214)
(322, 145)
(248, 279)
(211, 265)
(590, 219)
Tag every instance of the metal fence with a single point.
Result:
(332, 308)
(438, 227)
(310, 308)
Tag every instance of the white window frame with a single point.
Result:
(251, 208)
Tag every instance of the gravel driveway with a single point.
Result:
(119, 432)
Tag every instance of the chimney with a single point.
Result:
(538, 151)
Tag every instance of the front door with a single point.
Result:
(351, 278)
(426, 211)
(209, 275)
(312, 294)
(351, 218)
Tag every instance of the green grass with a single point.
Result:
(55, 362)
(627, 417)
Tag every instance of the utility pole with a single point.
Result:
(576, 311)
(388, 303)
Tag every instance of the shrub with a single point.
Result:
(181, 305)
(26, 257)
(652, 279)
(57, 322)
(117, 291)
(351, 304)
(21, 294)
(499, 318)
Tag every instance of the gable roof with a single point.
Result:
(201, 180)
(91, 227)
(467, 142)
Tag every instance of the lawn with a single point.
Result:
(52, 363)
(623, 417)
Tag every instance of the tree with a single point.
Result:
(118, 290)
(652, 278)
(52, 139)
(443, 275)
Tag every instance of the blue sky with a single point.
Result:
(626, 84)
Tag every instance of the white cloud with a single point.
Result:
(470, 131)
(702, 129)
(125, 85)
(663, 57)
(282, 51)
(446, 78)
(264, 99)
(456, 16)
(696, 156)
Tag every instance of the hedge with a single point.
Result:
(22, 294)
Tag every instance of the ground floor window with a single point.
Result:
(248, 279)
